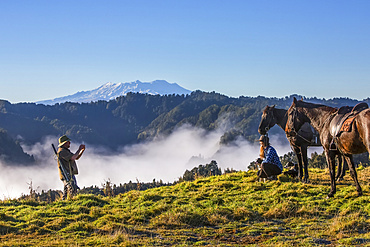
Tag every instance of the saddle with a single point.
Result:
(342, 121)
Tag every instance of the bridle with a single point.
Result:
(292, 129)
(269, 123)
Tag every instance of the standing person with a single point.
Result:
(270, 165)
(68, 161)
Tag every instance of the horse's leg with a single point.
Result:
(339, 177)
(344, 168)
(352, 171)
(305, 163)
(298, 153)
(330, 158)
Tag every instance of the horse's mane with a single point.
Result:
(301, 103)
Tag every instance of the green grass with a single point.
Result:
(228, 210)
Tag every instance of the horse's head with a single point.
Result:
(268, 120)
(295, 119)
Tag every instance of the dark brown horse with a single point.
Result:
(299, 143)
(323, 119)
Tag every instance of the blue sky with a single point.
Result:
(271, 48)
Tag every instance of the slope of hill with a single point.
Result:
(228, 210)
(110, 91)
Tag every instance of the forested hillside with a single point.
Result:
(11, 152)
(136, 117)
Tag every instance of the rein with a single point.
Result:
(299, 135)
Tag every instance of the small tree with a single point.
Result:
(108, 188)
(33, 193)
(188, 176)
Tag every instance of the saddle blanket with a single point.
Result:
(346, 126)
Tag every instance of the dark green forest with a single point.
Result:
(135, 118)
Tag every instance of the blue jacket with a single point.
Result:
(272, 157)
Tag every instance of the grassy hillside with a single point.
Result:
(228, 210)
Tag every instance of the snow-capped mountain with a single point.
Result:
(111, 91)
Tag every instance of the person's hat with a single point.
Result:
(63, 140)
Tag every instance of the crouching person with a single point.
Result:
(270, 165)
(67, 166)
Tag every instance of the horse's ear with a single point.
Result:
(294, 100)
(273, 106)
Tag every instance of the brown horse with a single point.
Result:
(299, 143)
(323, 119)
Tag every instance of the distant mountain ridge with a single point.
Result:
(135, 118)
(111, 91)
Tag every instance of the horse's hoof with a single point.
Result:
(329, 196)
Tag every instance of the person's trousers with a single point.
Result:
(70, 188)
(268, 170)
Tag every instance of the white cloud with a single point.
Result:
(163, 158)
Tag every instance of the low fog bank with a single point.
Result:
(163, 159)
